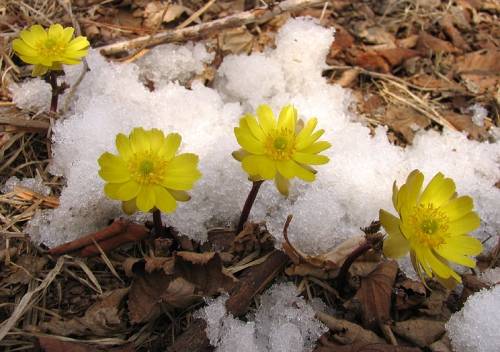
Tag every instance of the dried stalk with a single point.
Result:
(258, 15)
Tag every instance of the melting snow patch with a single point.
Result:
(349, 190)
(284, 322)
(475, 328)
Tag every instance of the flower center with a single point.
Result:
(147, 168)
(280, 144)
(430, 224)
(51, 48)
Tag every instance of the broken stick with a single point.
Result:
(118, 227)
(258, 15)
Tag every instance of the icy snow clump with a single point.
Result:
(349, 190)
(475, 327)
(283, 322)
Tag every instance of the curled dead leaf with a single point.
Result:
(374, 294)
(175, 282)
(422, 332)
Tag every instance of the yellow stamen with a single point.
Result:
(430, 225)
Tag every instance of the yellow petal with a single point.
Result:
(438, 267)
(311, 159)
(466, 245)
(146, 198)
(39, 32)
(30, 38)
(139, 140)
(164, 200)
(395, 245)
(395, 192)
(287, 118)
(259, 165)
(266, 118)
(156, 139)
(306, 133)
(180, 183)
(240, 154)
(114, 174)
(123, 146)
(55, 31)
(186, 162)
(438, 191)
(39, 70)
(414, 182)
(290, 169)
(129, 207)
(458, 207)
(317, 147)
(282, 184)
(128, 190)
(308, 140)
(254, 127)
(67, 34)
(181, 196)
(449, 253)
(465, 224)
(248, 142)
(78, 43)
(20, 47)
(172, 143)
(110, 189)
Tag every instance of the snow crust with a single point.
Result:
(475, 327)
(33, 183)
(349, 190)
(284, 322)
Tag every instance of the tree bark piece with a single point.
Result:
(251, 282)
(258, 15)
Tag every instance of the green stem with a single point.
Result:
(248, 204)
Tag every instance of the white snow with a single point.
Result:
(479, 113)
(491, 276)
(348, 193)
(475, 327)
(33, 183)
(284, 322)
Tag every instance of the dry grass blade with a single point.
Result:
(29, 299)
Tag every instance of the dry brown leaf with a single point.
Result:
(343, 40)
(453, 33)
(442, 345)
(26, 268)
(253, 237)
(236, 40)
(405, 120)
(374, 294)
(175, 282)
(50, 344)
(155, 9)
(329, 261)
(346, 332)
(371, 61)
(409, 293)
(427, 81)
(464, 123)
(421, 332)
(485, 62)
(367, 347)
(101, 319)
(428, 44)
(396, 56)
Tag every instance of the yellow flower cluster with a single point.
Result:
(49, 49)
(147, 173)
(433, 225)
(279, 149)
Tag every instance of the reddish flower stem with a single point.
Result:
(355, 254)
(248, 204)
(158, 226)
(56, 90)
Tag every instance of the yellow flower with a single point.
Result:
(147, 173)
(49, 49)
(279, 150)
(433, 225)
